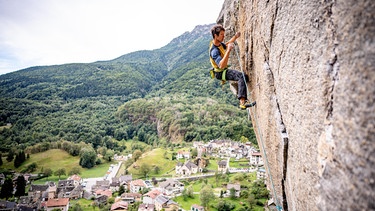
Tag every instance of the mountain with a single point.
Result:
(155, 96)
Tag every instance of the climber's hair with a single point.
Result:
(216, 30)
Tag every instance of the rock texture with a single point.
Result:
(312, 70)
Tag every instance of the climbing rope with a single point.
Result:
(259, 132)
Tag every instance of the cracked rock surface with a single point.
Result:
(312, 72)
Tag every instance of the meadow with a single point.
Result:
(55, 159)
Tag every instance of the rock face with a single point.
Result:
(312, 70)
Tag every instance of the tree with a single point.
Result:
(174, 156)
(10, 155)
(217, 177)
(194, 153)
(136, 155)
(20, 158)
(206, 195)
(156, 169)
(109, 155)
(244, 140)
(188, 193)
(7, 189)
(251, 200)
(1, 159)
(47, 172)
(32, 167)
(144, 169)
(259, 189)
(87, 157)
(102, 150)
(121, 190)
(244, 194)
(75, 170)
(76, 207)
(60, 172)
(232, 193)
(223, 205)
(20, 186)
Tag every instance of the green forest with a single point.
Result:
(159, 97)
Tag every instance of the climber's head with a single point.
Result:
(218, 32)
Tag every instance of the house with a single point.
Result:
(77, 180)
(101, 200)
(106, 192)
(42, 192)
(125, 181)
(201, 150)
(222, 166)
(26, 202)
(149, 198)
(58, 203)
(261, 173)
(196, 207)
(235, 187)
(36, 191)
(120, 205)
(182, 154)
(148, 184)
(238, 153)
(187, 168)
(88, 195)
(51, 191)
(256, 158)
(163, 202)
(171, 186)
(100, 185)
(64, 189)
(137, 185)
(7, 205)
(131, 197)
(122, 157)
(146, 207)
(76, 193)
(115, 184)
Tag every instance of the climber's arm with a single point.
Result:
(224, 61)
(234, 38)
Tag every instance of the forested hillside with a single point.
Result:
(158, 96)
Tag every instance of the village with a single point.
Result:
(160, 194)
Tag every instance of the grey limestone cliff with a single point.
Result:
(312, 70)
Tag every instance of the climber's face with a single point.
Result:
(221, 36)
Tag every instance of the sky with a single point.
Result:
(49, 32)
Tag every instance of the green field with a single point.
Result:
(154, 158)
(242, 163)
(57, 159)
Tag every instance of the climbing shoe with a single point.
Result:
(247, 105)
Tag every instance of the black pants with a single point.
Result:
(234, 75)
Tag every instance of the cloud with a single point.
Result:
(46, 32)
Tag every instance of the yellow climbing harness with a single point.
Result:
(215, 67)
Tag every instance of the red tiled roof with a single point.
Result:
(153, 194)
(107, 192)
(75, 177)
(59, 202)
(138, 182)
(120, 204)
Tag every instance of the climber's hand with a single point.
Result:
(238, 34)
(230, 46)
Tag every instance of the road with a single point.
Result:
(114, 168)
(111, 173)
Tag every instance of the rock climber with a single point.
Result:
(219, 56)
